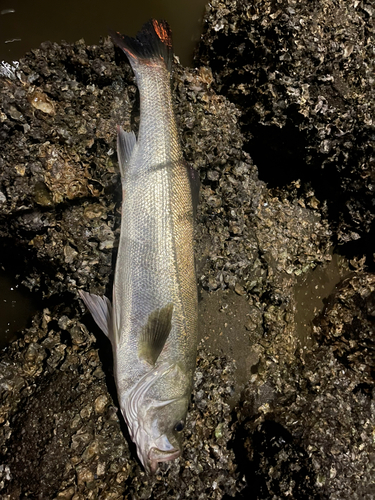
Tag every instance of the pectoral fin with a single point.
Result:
(100, 309)
(155, 334)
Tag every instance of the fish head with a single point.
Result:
(160, 418)
(159, 436)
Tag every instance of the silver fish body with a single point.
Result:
(153, 324)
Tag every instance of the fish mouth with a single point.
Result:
(155, 455)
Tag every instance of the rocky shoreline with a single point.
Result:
(277, 119)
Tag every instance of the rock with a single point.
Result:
(302, 76)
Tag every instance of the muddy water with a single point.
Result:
(311, 292)
(25, 25)
(224, 316)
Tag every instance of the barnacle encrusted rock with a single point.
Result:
(302, 73)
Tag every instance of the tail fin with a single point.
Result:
(152, 43)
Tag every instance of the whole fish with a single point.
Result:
(153, 323)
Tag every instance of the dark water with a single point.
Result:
(16, 307)
(25, 24)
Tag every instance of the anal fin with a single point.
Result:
(125, 145)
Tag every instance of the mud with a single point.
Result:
(271, 416)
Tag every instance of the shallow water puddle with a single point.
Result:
(224, 318)
(310, 293)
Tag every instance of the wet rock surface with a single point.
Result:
(270, 417)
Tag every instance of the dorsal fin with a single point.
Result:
(155, 333)
(101, 310)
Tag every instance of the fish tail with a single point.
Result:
(152, 45)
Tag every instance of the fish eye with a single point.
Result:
(179, 426)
